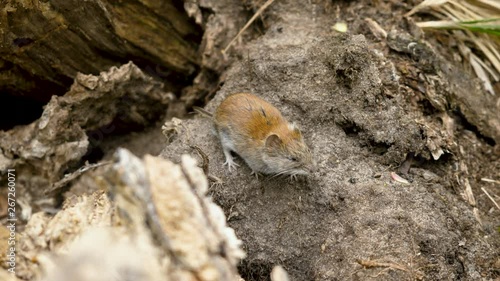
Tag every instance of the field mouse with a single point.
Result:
(258, 133)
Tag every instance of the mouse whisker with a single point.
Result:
(280, 173)
(276, 175)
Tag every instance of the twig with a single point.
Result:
(390, 265)
(491, 198)
(204, 158)
(215, 180)
(69, 177)
(261, 9)
(468, 194)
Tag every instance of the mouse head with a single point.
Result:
(287, 154)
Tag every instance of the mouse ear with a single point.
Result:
(273, 141)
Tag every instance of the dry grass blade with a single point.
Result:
(468, 195)
(491, 52)
(478, 66)
(490, 180)
(425, 4)
(391, 265)
(261, 9)
(491, 3)
(480, 22)
(479, 70)
(491, 198)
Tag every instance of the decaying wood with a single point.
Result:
(42, 151)
(159, 225)
(51, 41)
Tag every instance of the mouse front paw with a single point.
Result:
(257, 174)
(231, 165)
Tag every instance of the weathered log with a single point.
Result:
(44, 150)
(158, 225)
(46, 43)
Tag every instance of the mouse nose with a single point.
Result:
(313, 167)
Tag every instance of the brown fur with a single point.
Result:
(249, 121)
(249, 111)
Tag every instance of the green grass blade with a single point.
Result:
(483, 26)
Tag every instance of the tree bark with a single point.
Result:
(43, 44)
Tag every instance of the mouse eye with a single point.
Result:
(294, 159)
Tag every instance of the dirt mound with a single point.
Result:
(350, 220)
